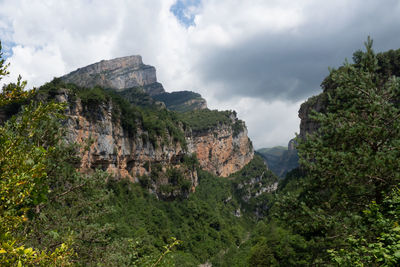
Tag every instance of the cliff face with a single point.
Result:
(106, 145)
(308, 125)
(120, 73)
(110, 147)
(156, 157)
(220, 151)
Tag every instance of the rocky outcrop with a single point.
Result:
(315, 103)
(120, 73)
(251, 184)
(108, 146)
(220, 151)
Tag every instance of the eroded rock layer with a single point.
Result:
(220, 151)
(106, 145)
(120, 73)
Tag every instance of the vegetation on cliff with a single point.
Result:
(206, 119)
(181, 101)
(157, 122)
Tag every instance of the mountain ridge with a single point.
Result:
(134, 137)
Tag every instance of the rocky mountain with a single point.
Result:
(132, 137)
(119, 74)
(220, 150)
(131, 78)
(315, 103)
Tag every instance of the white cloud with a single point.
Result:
(268, 123)
(35, 64)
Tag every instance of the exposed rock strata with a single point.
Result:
(120, 73)
(110, 147)
(114, 150)
(219, 151)
(308, 125)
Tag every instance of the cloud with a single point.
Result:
(25, 59)
(282, 50)
(261, 58)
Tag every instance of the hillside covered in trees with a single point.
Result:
(341, 207)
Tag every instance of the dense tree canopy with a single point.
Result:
(344, 201)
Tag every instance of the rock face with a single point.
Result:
(111, 148)
(220, 151)
(308, 125)
(120, 73)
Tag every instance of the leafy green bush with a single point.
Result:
(205, 119)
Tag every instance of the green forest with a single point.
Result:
(341, 207)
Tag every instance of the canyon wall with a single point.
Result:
(108, 146)
(222, 149)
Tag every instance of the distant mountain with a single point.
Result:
(275, 151)
(280, 160)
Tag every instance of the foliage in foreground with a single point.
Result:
(24, 156)
(343, 206)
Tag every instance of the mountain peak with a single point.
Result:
(119, 74)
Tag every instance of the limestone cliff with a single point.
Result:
(120, 73)
(107, 145)
(219, 150)
(156, 157)
(132, 79)
(131, 136)
(316, 103)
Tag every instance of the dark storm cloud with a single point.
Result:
(291, 66)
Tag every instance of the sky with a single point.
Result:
(262, 58)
